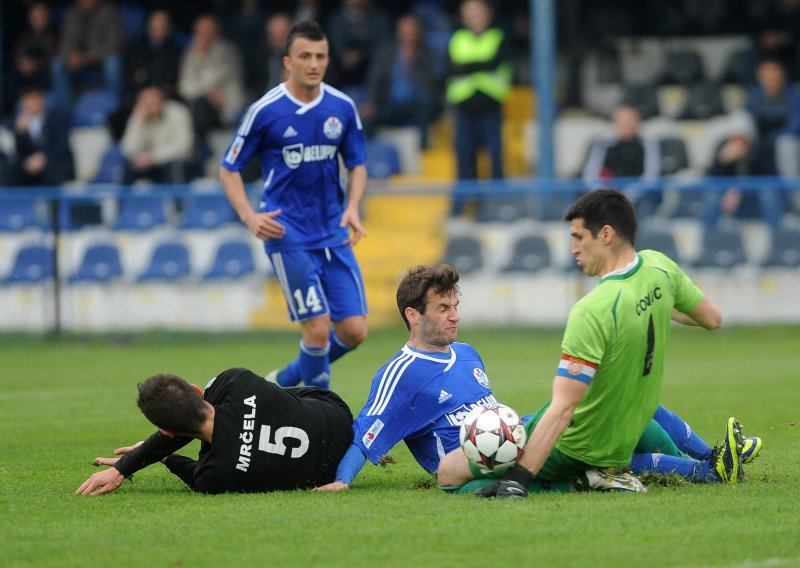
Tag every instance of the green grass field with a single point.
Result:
(66, 401)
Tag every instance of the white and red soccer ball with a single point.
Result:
(492, 437)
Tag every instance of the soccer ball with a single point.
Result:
(492, 437)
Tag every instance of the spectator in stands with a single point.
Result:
(245, 28)
(210, 79)
(41, 133)
(158, 140)
(356, 30)
(92, 38)
(626, 154)
(775, 107)
(154, 60)
(33, 53)
(267, 70)
(478, 81)
(735, 157)
(400, 86)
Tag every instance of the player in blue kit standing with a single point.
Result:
(300, 130)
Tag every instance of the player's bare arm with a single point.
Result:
(262, 225)
(707, 315)
(567, 393)
(356, 186)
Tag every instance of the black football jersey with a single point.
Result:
(266, 438)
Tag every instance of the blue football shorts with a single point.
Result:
(321, 281)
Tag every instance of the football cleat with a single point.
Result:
(728, 455)
(605, 480)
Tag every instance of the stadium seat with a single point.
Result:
(101, 263)
(234, 259)
(134, 20)
(739, 68)
(674, 157)
(531, 253)
(93, 106)
(785, 250)
(683, 67)
(662, 241)
(170, 261)
(207, 212)
(721, 249)
(501, 208)
(140, 213)
(464, 253)
(88, 146)
(703, 101)
(643, 98)
(33, 264)
(383, 159)
(19, 214)
(112, 166)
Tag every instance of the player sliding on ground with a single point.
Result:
(608, 384)
(425, 391)
(255, 435)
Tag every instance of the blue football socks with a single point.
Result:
(682, 434)
(693, 470)
(311, 367)
(338, 347)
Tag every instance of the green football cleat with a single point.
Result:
(728, 455)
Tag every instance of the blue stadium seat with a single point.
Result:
(234, 259)
(721, 249)
(785, 251)
(383, 159)
(112, 166)
(93, 106)
(101, 263)
(464, 254)
(170, 261)
(33, 264)
(140, 213)
(207, 212)
(19, 214)
(134, 20)
(531, 254)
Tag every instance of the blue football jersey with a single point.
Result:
(422, 398)
(299, 146)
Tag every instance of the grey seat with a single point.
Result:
(722, 249)
(785, 250)
(464, 253)
(531, 254)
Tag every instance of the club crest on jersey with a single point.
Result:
(332, 128)
(293, 155)
(481, 377)
(372, 433)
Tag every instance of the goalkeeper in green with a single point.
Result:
(608, 383)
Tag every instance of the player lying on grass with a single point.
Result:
(255, 435)
(426, 390)
(608, 383)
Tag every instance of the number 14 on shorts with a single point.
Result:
(308, 302)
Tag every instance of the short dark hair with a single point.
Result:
(605, 207)
(413, 288)
(170, 403)
(311, 31)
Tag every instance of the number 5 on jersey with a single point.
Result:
(310, 302)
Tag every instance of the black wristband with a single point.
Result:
(519, 474)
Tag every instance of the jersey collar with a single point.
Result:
(446, 358)
(304, 107)
(626, 271)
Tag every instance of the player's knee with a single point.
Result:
(353, 333)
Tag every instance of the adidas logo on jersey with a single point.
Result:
(289, 132)
(444, 395)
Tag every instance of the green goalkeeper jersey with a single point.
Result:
(616, 340)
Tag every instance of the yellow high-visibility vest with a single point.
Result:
(465, 47)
